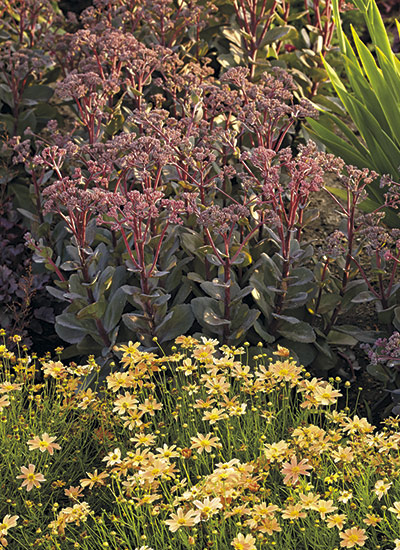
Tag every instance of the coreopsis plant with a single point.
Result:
(192, 449)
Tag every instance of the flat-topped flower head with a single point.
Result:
(31, 478)
(43, 443)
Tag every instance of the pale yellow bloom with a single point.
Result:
(204, 442)
(214, 415)
(113, 458)
(353, 537)
(293, 469)
(324, 507)
(31, 479)
(345, 496)
(395, 509)
(372, 519)
(309, 500)
(4, 402)
(326, 395)
(208, 507)
(55, 369)
(7, 523)
(182, 519)
(6, 387)
(336, 520)
(242, 542)
(293, 512)
(381, 488)
(276, 451)
(94, 479)
(45, 443)
(354, 425)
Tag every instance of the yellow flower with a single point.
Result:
(293, 512)
(336, 520)
(45, 443)
(113, 458)
(204, 442)
(182, 519)
(281, 351)
(31, 479)
(324, 507)
(214, 416)
(371, 519)
(94, 479)
(242, 542)
(353, 537)
(207, 507)
(4, 402)
(7, 523)
(276, 451)
(381, 488)
(130, 348)
(293, 469)
(395, 509)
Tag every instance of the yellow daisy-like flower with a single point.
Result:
(45, 443)
(31, 478)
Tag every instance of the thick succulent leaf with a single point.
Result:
(293, 329)
(179, 323)
(207, 312)
(115, 307)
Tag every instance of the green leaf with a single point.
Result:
(192, 242)
(379, 85)
(70, 329)
(328, 303)
(30, 215)
(277, 33)
(207, 312)
(115, 124)
(36, 93)
(379, 373)
(136, 322)
(180, 322)
(365, 336)
(338, 338)
(258, 327)
(337, 145)
(365, 296)
(115, 307)
(93, 311)
(215, 289)
(298, 332)
(247, 321)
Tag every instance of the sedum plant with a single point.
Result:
(169, 200)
